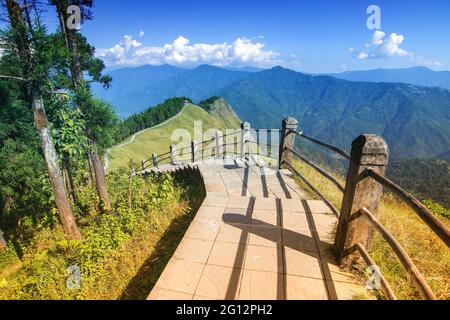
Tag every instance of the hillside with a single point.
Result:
(414, 120)
(158, 139)
(151, 85)
(220, 109)
(421, 76)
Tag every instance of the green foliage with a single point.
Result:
(43, 273)
(425, 178)
(207, 104)
(437, 209)
(151, 117)
(69, 133)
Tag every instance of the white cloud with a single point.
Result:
(362, 55)
(381, 46)
(181, 51)
(141, 33)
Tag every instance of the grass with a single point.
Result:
(428, 252)
(157, 140)
(121, 255)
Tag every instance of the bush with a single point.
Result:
(45, 262)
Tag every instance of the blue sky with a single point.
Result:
(310, 36)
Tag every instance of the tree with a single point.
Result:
(28, 42)
(80, 62)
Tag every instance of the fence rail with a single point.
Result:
(221, 147)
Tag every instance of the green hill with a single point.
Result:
(413, 119)
(158, 139)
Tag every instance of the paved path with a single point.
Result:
(256, 236)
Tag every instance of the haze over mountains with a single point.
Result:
(413, 119)
(421, 76)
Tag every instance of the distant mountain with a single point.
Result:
(135, 79)
(135, 89)
(417, 75)
(413, 119)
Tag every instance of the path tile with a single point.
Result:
(219, 283)
(194, 250)
(301, 288)
(227, 255)
(259, 285)
(264, 259)
(181, 276)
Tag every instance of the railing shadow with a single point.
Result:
(237, 221)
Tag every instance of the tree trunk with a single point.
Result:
(54, 172)
(77, 76)
(18, 25)
(101, 182)
(2, 241)
(68, 174)
(92, 172)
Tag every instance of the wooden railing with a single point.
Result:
(219, 148)
(361, 198)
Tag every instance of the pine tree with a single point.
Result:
(71, 42)
(27, 38)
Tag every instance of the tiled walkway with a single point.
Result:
(255, 237)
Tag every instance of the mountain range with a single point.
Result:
(421, 76)
(413, 119)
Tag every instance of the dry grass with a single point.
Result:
(428, 252)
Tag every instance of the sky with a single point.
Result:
(310, 36)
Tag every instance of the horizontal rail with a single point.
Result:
(418, 280)
(318, 169)
(326, 145)
(439, 228)
(370, 262)
(327, 202)
(231, 133)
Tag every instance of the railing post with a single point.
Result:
(143, 165)
(367, 151)
(194, 150)
(245, 128)
(173, 156)
(155, 159)
(288, 129)
(219, 144)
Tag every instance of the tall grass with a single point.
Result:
(429, 253)
(121, 254)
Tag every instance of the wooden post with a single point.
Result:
(219, 145)
(155, 159)
(194, 150)
(143, 165)
(289, 127)
(173, 156)
(245, 128)
(367, 151)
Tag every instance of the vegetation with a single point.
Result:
(428, 252)
(426, 178)
(157, 140)
(121, 254)
(151, 117)
(412, 119)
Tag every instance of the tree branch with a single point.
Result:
(12, 77)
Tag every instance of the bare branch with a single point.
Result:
(12, 78)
